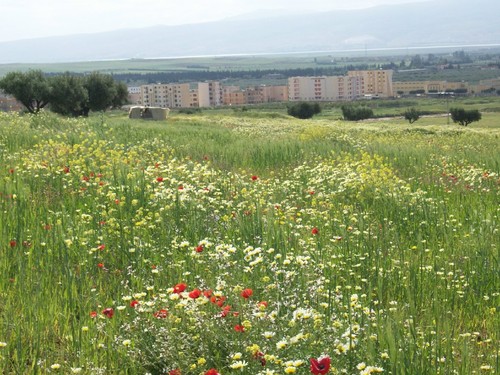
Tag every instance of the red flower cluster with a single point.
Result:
(161, 314)
(109, 312)
(320, 366)
(196, 293)
(246, 293)
(179, 288)
(239, 328)
(212, 371)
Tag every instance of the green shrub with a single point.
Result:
(356, 113)
(304, 110)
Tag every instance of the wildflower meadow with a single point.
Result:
(224, 244)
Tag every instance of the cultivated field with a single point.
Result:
(248, 243)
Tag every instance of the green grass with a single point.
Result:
(375, 243)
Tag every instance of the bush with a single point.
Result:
(465, 117)
(411, 115)
(304, 110)
(352, 113)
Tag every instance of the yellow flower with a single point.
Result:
(202, 361)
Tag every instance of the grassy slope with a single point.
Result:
(415, 205)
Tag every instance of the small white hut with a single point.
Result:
(148, 113)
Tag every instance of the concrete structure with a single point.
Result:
(148, 113)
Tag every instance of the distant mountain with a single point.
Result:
(438, 22)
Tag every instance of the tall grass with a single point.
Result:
(130, 247)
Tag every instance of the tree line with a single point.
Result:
(66, 94)
(218, 75)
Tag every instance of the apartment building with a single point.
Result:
(233, 95)
(426, 87)
(134, 94)
(271, 94)
(210, 94)
(169, 95)
(324, 88)
(376, 83)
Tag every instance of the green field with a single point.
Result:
(142, 71)
(248, 242)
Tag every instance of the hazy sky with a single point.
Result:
(20, 19)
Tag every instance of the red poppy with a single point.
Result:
(134, 303)
(212, 371)
(179, 288)
(161, 314)
(174, 372)
(254, 178)
(109, 312)
(101, 247)
(219, 301)
(225, 311)
(261, 357)
(320, 366)
(246, 293)
(100, 265)
(262, 303)
(199, 248)
(181, 187)
(195, 293)
(13, 243)
(239, 328)
(159, 179)
(207, 293)
(314, 231)
(93, 314)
